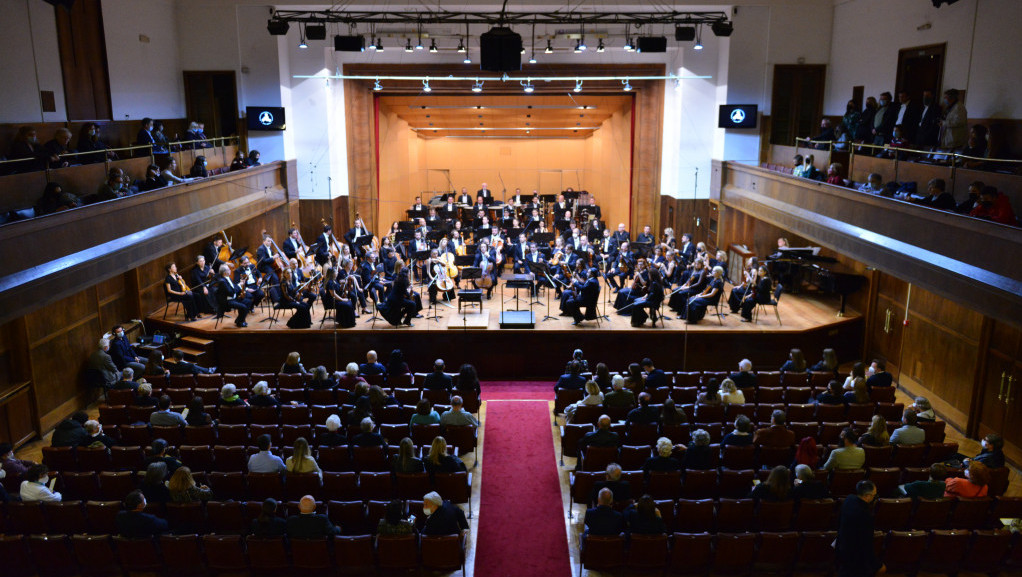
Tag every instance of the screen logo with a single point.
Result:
(266, 118)
(738, 116)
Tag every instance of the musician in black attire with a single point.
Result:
(202, 276)
(623, 268)
(739, 293)
(344, 309)
(323, 244)
(640, 284)
(355, 234)
(486, 260)
(399, 308)
(588, 296)
(176, 291)
(378, 286)
(232, 296)
(761, 293)
(646, 235)
(563, 272)
(265, 258)
(697, 306)
(435, 274)
(251, 282)
(212, 251)
(694, 285)
(607, 248)
(291, 299)
(292, 244)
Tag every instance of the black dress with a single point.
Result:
(697, 308)
(344, 310)
(187, 299)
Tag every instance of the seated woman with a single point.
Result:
(268, 524)
(671, 414)
(692, 285)
(199, 168)
(698, 305)
(197, 415)
(302, 461)
(698, 454)
(229, 396)
(439, 461)
(351, 380)
(292, 365)
(730, 394)
(405, 462)
(644, 518)
(633, 379)
(333, 298)
(777, 487)
(468, 379)
(651, 302)
(253, 159)
(152, 179)
(261, 396)
(924, 412)
(973, 484)
(663, 462)
(828, 363)
(238, 163)
(397, 365)
(858, 371)
(321, 380)
(761, 294)
(593, 397)
(424, 414)
(711, 396)
(742, 435)
(144, 396)
(154, 365)
(167, 167)
(54, 199)
(859, 393)
(176, 291)
(183, 488)
(876, 435)
(833, 395)
(796, 362)
(154, 487)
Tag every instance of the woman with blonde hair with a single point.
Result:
(439, 461)
(593, 397)
(876, 435)
(302, 460)
(293, 364)
(859, 393)
(406, 461)
(183, 488)
(796, 362)
(730, 394)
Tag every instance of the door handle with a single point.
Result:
(1007, 395)
(1000, 393)
(887, 322)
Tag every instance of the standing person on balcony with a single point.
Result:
(954, 128)
(851, 119)
(885, 119)
(928, 131)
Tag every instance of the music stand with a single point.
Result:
(238, 253)
(570, 195)
(544, 238)
(436, 234)
(418, 257)
(404, 236)
(542, 269)
(413, 214)
(406, 225)
(548, 198)
(641, 248)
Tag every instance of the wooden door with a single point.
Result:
(888, 317)
(920, 68)
(211, 97)
(83, 63)
(1000, 412)
(797, 104)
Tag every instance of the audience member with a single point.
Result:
(268, 524)
(776, 435)
(711, 396)
(293, 364)
(806, 486)
(972, 485)
(457, 415)
(152, 179)
(127, 382)
(992, 454)
(971, 201)
(601, 437)
(619, 397)
(406, 462)
(397, 365)
(851, 119)
(849, 455)
(644, 414)
(71, 431)
(102, 364)
(134, 523)
(367, 436)
(644, 518)
(54, 150)
(183, 488)
(442, 517)
(199, 169)
(26, 146)
(855, 552)
(633, 379)
(158, 453)
(864, 132)
(834, 174)
(994, 206)
(593, 397)
(35, 485)
(351, 380)
(261, 396)
(777, 486)
(308, 524)
(264, 461)
(928, 130)
(955, 124)
(164, 417)
(302, 461)
(603, 520)
(744, 378)
(924, 412)
(144, 395)
(252, 159)
(468, 379)
(828, 363)
(698, 453)
(621, 488)
(878, 375)
(885, 119)
(796, 362)
(730, 394)
(807, 453)
(14, 468)
(874, 184)
(229, 396)
(938, 197)
(859, 393)
(154, 483)
(742, 434)
(97, 438)
(438, 380)
(663, 462)
(113, 187)
(876, 435)
(197, 415)
(424, 414)
(54, 199)
(655, 378)
(933, 488)
(394, 522)
(573, 379)
(167, 167)
(671, 414)
(238, 163)
(908, 433)
(372, 366)
(334, 436)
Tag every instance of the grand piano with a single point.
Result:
(798, 267)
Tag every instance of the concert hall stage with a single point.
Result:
(809, 322)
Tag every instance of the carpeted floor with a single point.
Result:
(517, 390)
(521, 517)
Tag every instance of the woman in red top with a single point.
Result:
(974, 484)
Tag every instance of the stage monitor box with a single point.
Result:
(315, 31)
(737, 116)
(265, 118)
(685, 33)
(349, 43)
(500, 50)
(651, 44)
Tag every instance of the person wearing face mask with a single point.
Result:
(442, 517)
(954, 128)
(992, 454)
(199, 168)
(122, 353)
(56, 147)
(851, 119)
(88, 141)
(928, 130)
(864, 132)
(994, 206)
(113, 187)
(34, 486)
(885, 119)
(160, 143)
(854, 544)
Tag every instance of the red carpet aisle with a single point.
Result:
(517, 390)
(521, 518)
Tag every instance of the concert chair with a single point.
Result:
(464, 438)
(816, 553)
(311, 554)
(988, 550)
(886, 479)
(102, 516)
(734, 553)
(225, 517)
(354, 554)
(59, 458)
(341, 486)
(267, 555)
(115, 486)
(735, 484)
(815, 515)
(1005, 508)
(166, 298)
(946, 551)
(773, 303)
(734, 515)
(581, 485)
(931, 513)
(138, 555)
(970, 514)
(601, 553)
(691, 553)
(225, 553)
(842, 482)
(443, 552)
(94, 554)
(903, 550)
(776, 552)
(774, 515)
(878, 456)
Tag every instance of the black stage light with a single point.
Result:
(349, 43)
(722, 28)
(651, 44)
(315, 31)
(685, 33)
(277, 27)
(500, 50)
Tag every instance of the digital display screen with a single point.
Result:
(265, 118)
(737, 116)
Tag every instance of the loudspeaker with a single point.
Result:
(65, 3)
(277, 27)
(349, 43)
(722, 28)
(651, 44)
(315, 31)
(685, 33)
(500, 50)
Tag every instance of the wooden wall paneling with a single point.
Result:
(646, 153)
(82, 48)
(981, 392)
(361, 138)
(313, 212)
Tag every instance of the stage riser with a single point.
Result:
(528, 354)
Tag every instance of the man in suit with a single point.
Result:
(485, 194)
(776, 435)
(182, 367)
(122, 353)
(127, 382)
(644, 414)
(323, 244)
(132, 523)
(400, 306)
(520, 252)
(464, 197)
(646, 235)
(688, 248)
(104, 366)
(372, 366)
(486, 260)
(879, 377)
(291, 244)
(212, 251)
(590, 295)
(954, 127)
(145, 134)
(601, 437)
(909, 115)
(620, 397)
(518, 199)
(366, 436)
(622, 490)
(442, 517)
(234, 296)
(607, 247)
(655, 378)
(438, 379)
(808, 488)
(883, 122)
(265, 257)
(855, 554)
(621, 234)
(307, 524)
(603, 520)
(417, 205)
(744, 378)
(928, 130)
(573, 379)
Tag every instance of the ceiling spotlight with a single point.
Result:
(379, 45)
(372, 43)
(549, 47)
(277, 27)
(699, 39)
(432, 47)
(628, 86)
(477, 87)
(301, 42)
(532, 59)
(425, 86)
(578, 46)
(600, 47)
(582, 43)
(628, 44)
(529, 88)
(722, 28)
(376, 85)
(408, 45)
(461, 45)
(467, 60)
(578, 86)
(418, 43)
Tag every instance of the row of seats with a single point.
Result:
(727, 515)
(335, 485)
(730, 483)
(354, 517)
(334, 396)
(47, 555)
(907, 552)
(245, 381)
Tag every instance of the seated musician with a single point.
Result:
(519, 252)
(323, 245)
(417, 205)
(574, 236)
(423, 227)
(540, 227)
(212, 251)
(621, 235)
(637, 289)
(564, 221)
(202, 276)
(566, 266)
(688, 249)
(455, 243)
(265, 259)
(230, 295)
(176, 290)
(646, 235)
(357, 232)
(651, 301)
(668, 237)
(480, 220)
(301, 282)
(292, 244)
(623, 267)
(486, 261)
(761, 293)
(607, 248)
(669, 270)
(437, 274)
(535, 217)
(344, 309)
(696, 309)
(449, 211)
(738, 293)
(379, 285)
(720, 259)
(419, 244)
(479, 206)
(464, 198)
(518, 199)
(562, 205)
(290, 299)
(500, 244)
(433, 220)
(367, 267)
(695, 284)
(251, 282)
(399, 308)
(596, 230)
(588, 296)
(351, 288)
(389, 260)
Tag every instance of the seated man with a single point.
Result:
(879, 376)
(622, 490)
(457, 415)
(164, 417)
(442, 517)
(601, 437)
(372, 366)
(97, 438)
(744, 378)
(994, 206)
(308, 524)
(644, 414)
(366, 436)
(933, 488)
(182, 367)
(849, 455)
(572, 380)
(908, 433)
(134, 523)
(655, 378)
(873, 185)
(102, 364)
(588, 298)
(603, 520)
(438, 379)
(264, 461)
(619, 397)
(939, 198)
(123, 354)
(776, 435)
(127, 382)
(806, 486)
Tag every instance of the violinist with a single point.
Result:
(367, 267)
(293, 244)
(738, 293)
(251, 282)
(693, 286)
(202, 276)
(563, 273)
(290, 299)
(438, 278)
(351, 283)
(344, 309)
(301, 283)
(231, 295)
(638, 288)
(623, 267)
(378, 285)
(668, 237)
(486, 261)
(652, 301)
(266, 258)
(670, 268)
(400, 307)
(176, 290)
(761, 293)
(389, 260)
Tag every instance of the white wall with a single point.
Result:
(145, 77)
(31, 62)
(982, 54)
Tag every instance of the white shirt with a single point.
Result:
(901, 113)
(32, 491)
